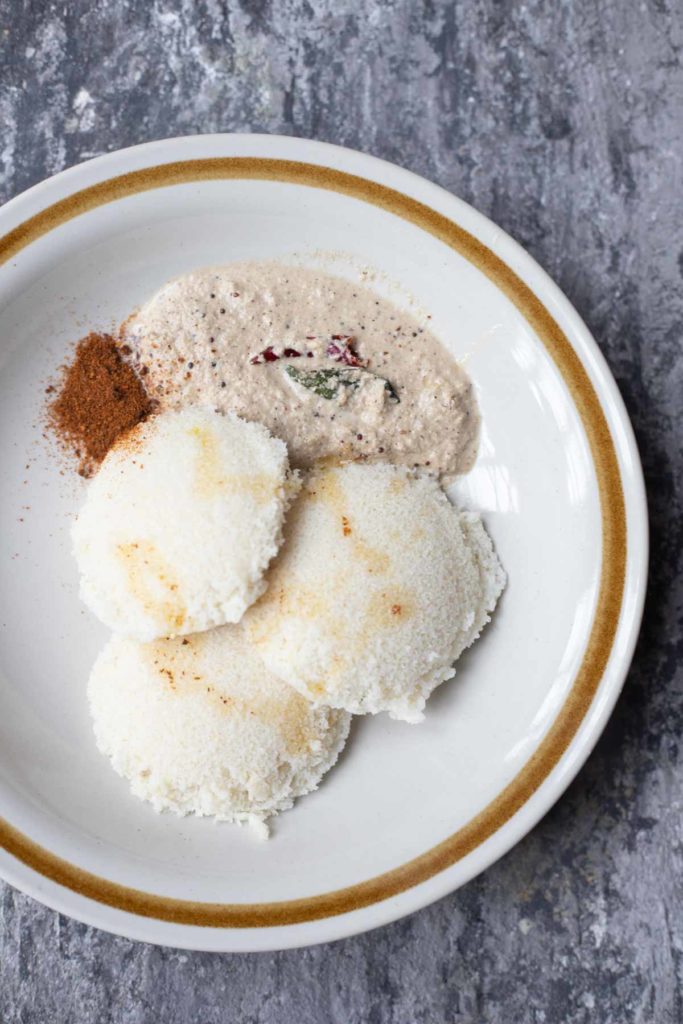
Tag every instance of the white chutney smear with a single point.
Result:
(329, 366)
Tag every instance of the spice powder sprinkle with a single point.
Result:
(98, 399)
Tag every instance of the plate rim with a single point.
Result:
(173, 917)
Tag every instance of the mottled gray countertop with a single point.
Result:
(563, 121)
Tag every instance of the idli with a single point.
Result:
(180, 523)
(198, 725)
(380, 585)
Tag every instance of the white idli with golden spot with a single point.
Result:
(180, 523)
(199, 725)
(380, 586)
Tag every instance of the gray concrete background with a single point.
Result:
(563, 122)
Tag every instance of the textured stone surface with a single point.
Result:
(562, 121)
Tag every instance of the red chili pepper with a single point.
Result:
(342, 351)
(269, 355)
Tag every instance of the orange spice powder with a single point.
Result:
(98, 399)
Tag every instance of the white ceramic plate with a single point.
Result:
(410, 813)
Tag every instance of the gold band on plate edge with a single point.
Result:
(568, 720)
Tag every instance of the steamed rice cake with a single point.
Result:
(180, 523)
(198, 725)
(380, 586)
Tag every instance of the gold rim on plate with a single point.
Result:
(579, 698)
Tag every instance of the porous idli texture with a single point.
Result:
(380, 585)
(180, 523)
(198, 725)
